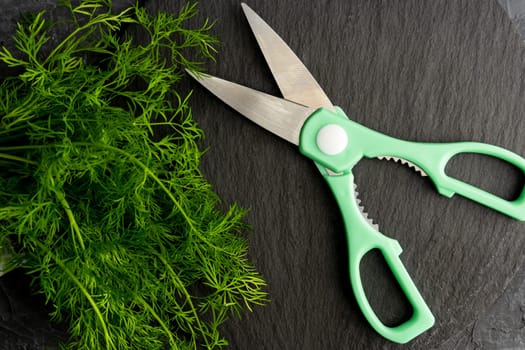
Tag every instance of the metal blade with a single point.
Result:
(281, 117)
(295, 81)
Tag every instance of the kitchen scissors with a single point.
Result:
(307, 118)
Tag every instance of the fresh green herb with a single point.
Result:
(112, 217)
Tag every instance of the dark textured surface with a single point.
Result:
(515, 9)
(420, 70)
(436, 71)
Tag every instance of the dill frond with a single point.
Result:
(114, 220)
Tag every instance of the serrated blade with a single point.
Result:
(403, 161)
(294, 80)
(363, 211)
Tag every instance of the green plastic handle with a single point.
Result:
(361, 238)
(336, 144)
(431, 157)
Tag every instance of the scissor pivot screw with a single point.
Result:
(332, 139)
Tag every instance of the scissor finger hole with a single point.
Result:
(383, 291)
(491, 174)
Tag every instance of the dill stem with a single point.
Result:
(88, 296)
(16, 158)
(159, 320)
(69, 38)
(185, 292)
(25, 147)
(72, 221)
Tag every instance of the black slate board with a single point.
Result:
(419, 70)
(425, 71)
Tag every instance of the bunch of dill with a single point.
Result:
(115, 222)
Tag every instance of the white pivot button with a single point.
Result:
(332, 139)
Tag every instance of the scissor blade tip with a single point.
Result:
(196, 75)
(247, 9)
